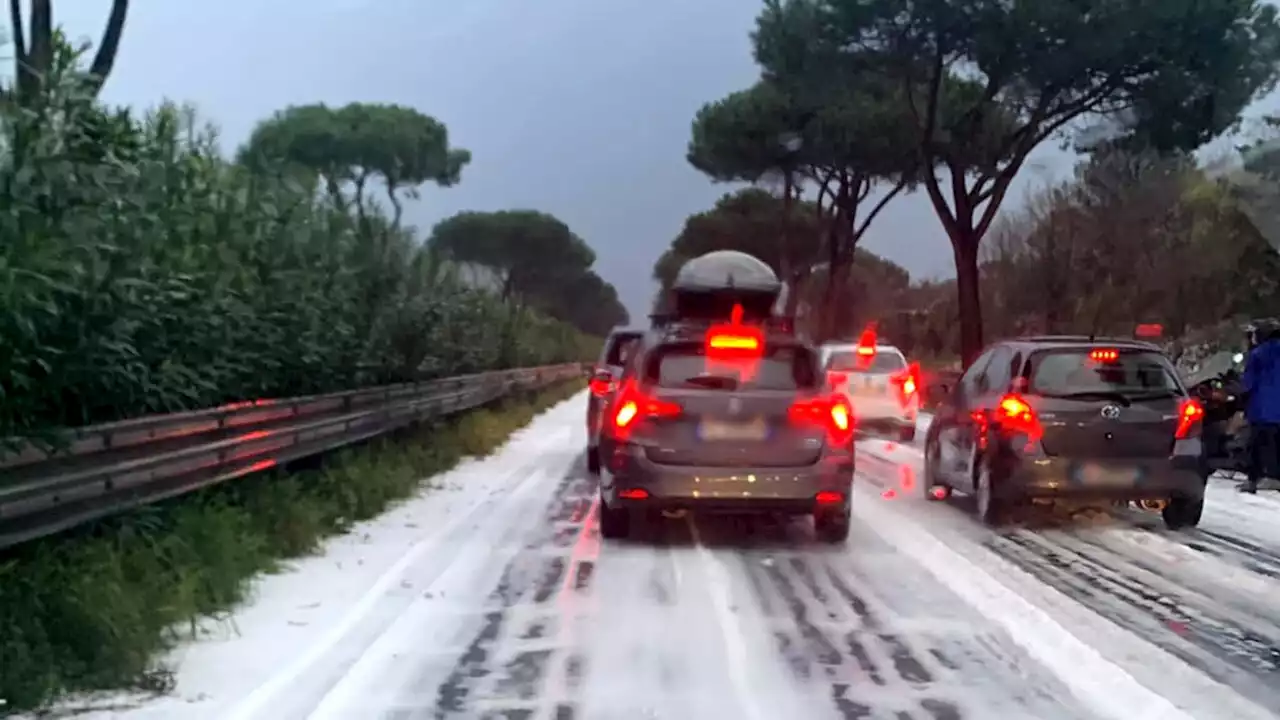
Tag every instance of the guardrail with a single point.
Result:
(104, 469)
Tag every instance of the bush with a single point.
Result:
(92, 610)
(141, 272)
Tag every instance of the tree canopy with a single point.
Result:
(534, 259)
(399, 147)
(985, 82)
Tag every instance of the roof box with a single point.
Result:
(710, 285)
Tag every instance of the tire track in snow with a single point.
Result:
(1236, 648)
(880, 638)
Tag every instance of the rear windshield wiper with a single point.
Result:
(1119, 398)
(714, 382)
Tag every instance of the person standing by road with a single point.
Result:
(1261, 384)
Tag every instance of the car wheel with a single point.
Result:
(593, 460)
(907, 434)
(931, 458)
(990, 509)
(615, 523)
(832, 526)
(1182, 512)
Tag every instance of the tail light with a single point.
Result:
(908, 384)
(634, 406)
(837, 379)
(1104, 355)
(1015, 417)
(601, 383)
(833, 413)
(1189, 416)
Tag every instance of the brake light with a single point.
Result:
(725, 341)
(908, 382)
(834, 413)
(1189, 417)
(635, 406)
(1104, 355)
(734, 338)
(866, 351)
(1016, 417)
(601, 383)
(836, 379)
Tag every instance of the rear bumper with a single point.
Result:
(1031, 478)
(634, 481)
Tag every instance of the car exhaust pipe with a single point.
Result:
(1154, 505)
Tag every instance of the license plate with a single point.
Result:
(713, 430)
(1103, 476)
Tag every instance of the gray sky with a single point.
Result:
(580, 108)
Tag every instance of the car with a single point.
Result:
(883, 387)
(603, 384)
(1048, 418)
(726, 418)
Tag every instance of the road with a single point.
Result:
(492, 596)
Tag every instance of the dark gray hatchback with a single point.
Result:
(1069, 418)
(755, 431)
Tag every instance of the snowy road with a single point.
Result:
(493, 597)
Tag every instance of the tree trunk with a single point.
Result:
(784, 238)
(969, 302)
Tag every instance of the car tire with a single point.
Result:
(990, 508)
(931, 450)
(832, 526)
(615, 523)
(593, 460)
(1182, 512)
(907, 434)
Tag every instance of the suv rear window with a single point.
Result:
(1072, 371)
(784, 367)
(881, 362)
(619, 347)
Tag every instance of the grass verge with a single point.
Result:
(95, 609)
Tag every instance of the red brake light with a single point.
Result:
(1189, 417)
(1015, 416)
(908, 383)
(1104, 355)
(634, 406)
(734, 338)
(836, 378)
(866, 351)
(601, 383)
(833, 413)
(725, 341)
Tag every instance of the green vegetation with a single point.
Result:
(141, 272)
(956, 94)
(93, 610)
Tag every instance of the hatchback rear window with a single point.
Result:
(620, 348)
(1072, 372)
(881, 362)
(787, 367)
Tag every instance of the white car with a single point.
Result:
(883, 387)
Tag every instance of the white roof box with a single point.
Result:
(727, 270)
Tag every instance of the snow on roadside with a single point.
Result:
(299, 610)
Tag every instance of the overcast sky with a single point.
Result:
(580, 108)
